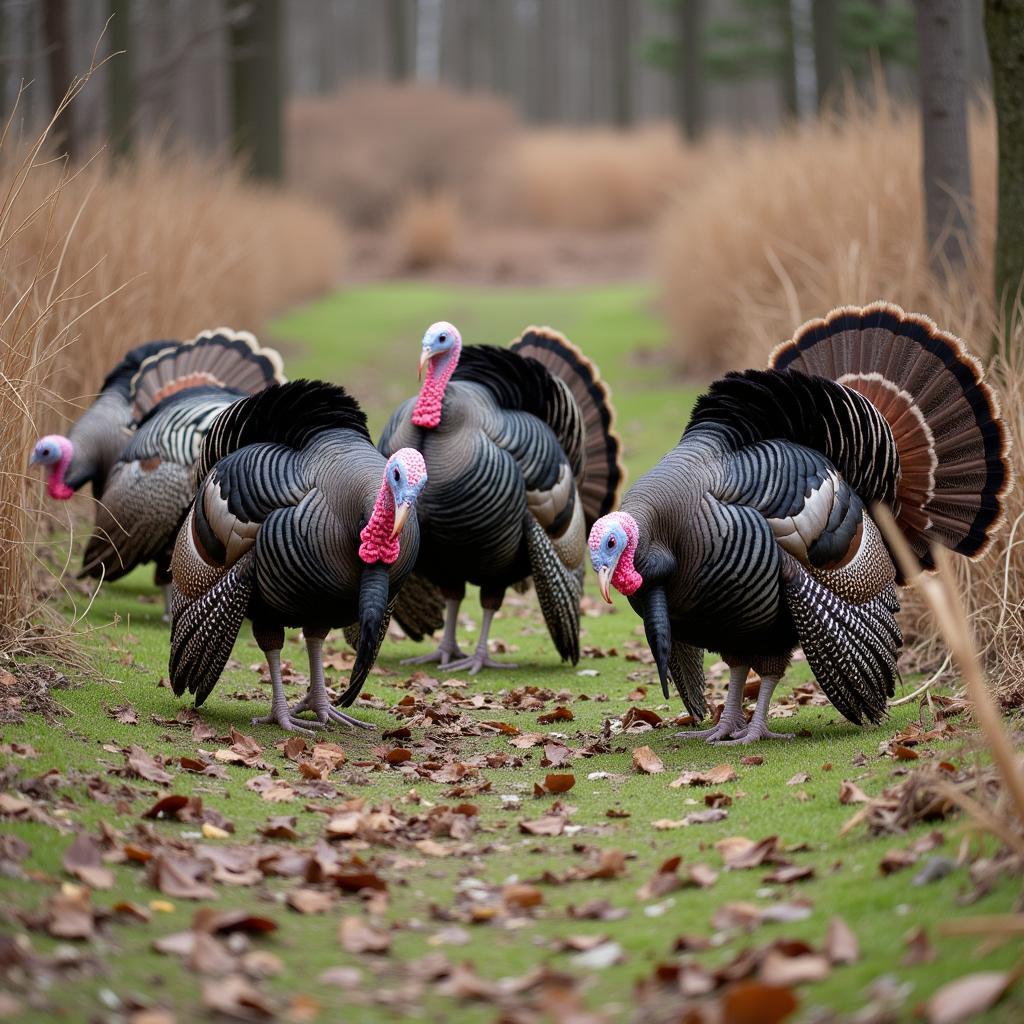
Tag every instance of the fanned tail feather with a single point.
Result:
(203, 630)
(851, 648)
(220, 358)
(953, 448)
(603, 471)
(558, 589)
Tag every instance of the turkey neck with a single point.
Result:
(431, 398)
(98, 438)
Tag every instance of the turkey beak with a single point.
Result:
(36, 457)
(424, 359)
(604, 576)
(401, 514)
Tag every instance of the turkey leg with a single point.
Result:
(317, 699)
(279, 712)
(733, 722)
(480, 658)
(447, 650)
(758, 728)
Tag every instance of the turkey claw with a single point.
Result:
(283, 718)
(444, 655)
(755, 733)
(725, 728)
(475, 662)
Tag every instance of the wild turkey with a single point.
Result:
(753, 534)
(298, 521)
(522, 459)
(175, 394)
(99, 435)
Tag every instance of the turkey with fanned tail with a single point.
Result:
(173, 396)
(298, 521)
(523, 458)
(90, 451)
(754, 534)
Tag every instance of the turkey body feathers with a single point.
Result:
(292, 480)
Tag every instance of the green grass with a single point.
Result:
(369, 339)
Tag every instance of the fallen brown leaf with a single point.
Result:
(548, 825)
(753, 1002)
(554, 784)
(83, 859)
(358, 936)
(967, 997)
(647, 761)
(716, 776)
(310, 901)
(841, 945)
(234, 996)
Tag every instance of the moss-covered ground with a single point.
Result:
(368, 340)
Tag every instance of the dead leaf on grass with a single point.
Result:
(967, 997)
(554, 784)
(716, 776)
(234, 996)
(647, 761)
(358, 936)
(310, 901)
(753, 1002)
(83, 859)
(142, 765)
(841, 945)
(851, 793)
(548, 825)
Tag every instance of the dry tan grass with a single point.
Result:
(426, 231)
(97, 260)
(772, 231)
(366, 149)
(594, 180)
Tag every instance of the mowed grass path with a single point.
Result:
(368, 339)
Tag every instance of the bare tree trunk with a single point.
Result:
(55, 31)
(621, 26)
(827, 54)
(946, 157)
(256, 86)
(1004, 26)
(398, 40)
(787, 70)
(120, 80)
(690, 74)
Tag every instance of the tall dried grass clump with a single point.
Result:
(179, 243)
(426, 231)
(364, 150)
(771, 231)
(594, 179)
(97, 259)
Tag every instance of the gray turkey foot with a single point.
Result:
(317, 699)
(477, 661)
(728, 725)
(282, 716)
(445, 655)
(754, 732)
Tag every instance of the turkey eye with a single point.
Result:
(442, 338)
(398, 476)
(611, 542)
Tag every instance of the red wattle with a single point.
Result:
(377, 543)
(427, 412)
